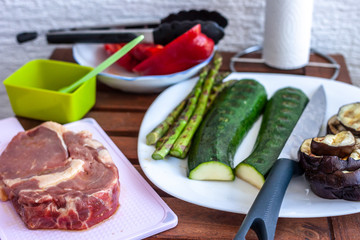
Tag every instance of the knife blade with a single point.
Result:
(264, 212)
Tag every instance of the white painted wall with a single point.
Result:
(336, 27)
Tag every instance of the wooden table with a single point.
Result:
(120, 115)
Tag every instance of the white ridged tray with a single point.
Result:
(142, 212)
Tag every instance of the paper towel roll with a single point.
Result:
(287, 33)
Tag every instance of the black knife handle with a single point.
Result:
(167, 32)
(264, 212)
(89, 37)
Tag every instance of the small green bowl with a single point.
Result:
(32, 91)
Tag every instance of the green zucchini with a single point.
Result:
(281, 114)
(229, 119)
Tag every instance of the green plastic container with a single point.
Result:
(32, 91)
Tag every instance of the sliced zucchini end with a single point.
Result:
(249, 174)
(212, 171)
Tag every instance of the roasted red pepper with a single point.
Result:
(145, 50)
(138, 54)
(184, 52)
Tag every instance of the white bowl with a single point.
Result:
(116, 77)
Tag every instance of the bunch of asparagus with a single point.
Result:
(173, 135)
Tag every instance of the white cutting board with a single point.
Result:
(142, 212)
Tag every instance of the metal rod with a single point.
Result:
(237, 58)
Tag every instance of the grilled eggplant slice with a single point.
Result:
(349, 117)
(334, 126)
(339, 185)
(331, 176)
(341, 144)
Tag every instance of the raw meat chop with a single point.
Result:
(58, 179)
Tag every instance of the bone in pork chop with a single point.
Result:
(58, 179)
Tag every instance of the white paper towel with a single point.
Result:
(287, 33)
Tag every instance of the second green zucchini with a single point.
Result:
(281, 115)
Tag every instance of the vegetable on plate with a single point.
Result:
(281, 115)
(184, 52)
(177, 127)
(136, 55)
(184, 140)
(226, 124)
(349, 117)
(173, 136)
(334, 126)
(157, 136)
(159, 131)
(341, 144)
(332, 162)
(333, 172)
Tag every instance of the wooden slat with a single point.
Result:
(302, 228)
(128, 146)
(63, 54)
(346, 227)
(111, 100)
(324, 72)
(118, 123)
(28, 123)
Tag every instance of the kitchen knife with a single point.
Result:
(264, 212)
(163, 34)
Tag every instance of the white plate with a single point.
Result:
(142, 213)
(170, 175)
(116, 77)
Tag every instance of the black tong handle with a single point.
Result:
(26, 36)
(79, 35)
(163, 34)
(90, 37)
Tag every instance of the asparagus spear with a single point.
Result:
(161, 135)
(160, 142)
(220, 77)
(163, 127)
(214, 93)
(160, 130)
(181, 122)
(184, 139)
(185, 152)
(217, 90)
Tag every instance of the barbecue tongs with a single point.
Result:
(156, 31)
